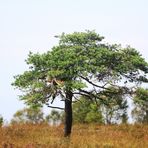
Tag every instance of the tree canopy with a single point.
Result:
(80, 65)
(28, 115)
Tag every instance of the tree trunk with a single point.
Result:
(68, 114)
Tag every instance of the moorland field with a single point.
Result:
(83, 136)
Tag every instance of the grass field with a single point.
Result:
(83, 136)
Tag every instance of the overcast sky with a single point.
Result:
(30, 25)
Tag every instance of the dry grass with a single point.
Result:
(83, 136)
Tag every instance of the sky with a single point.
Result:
(30, 25)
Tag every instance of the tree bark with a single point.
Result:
(68, 114)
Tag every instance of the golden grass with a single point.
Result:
(83, 136)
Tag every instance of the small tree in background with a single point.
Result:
(87, 111)
(28, 115)
(1, 120)
(54, 117)
(115, 109)
(140, 111)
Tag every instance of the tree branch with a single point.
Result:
(86, 79)
(82, 94)
(93, 96)
(55, 107)
(76, 100)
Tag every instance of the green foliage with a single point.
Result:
(86, 111)
(28, 115)
(79, 59)
(140, 111)
(89, 38)
(83, 65)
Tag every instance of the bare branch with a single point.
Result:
(52, 100)
(93, 96)
(54, 107)
(86, 79)
(83, 94)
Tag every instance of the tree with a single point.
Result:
(87, 111)
(80, 65)
(115, 109)
(28, 115)
(140, 111)
(54, 116)
(115, 113)
(1, 121)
